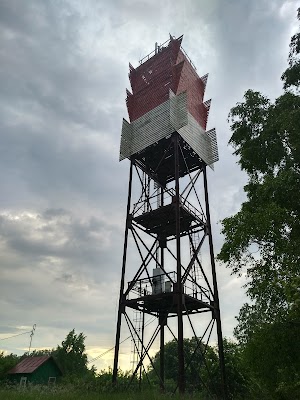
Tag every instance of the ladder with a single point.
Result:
(196, 273)
(135, 342)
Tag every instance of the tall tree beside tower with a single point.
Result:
(263, 238)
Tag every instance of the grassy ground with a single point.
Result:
(58, 394)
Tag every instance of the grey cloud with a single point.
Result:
(55, 212)
(65, 244)
(48, 83)
(66, 278)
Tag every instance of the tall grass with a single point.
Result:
(69, 393)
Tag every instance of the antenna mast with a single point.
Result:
(31, 336)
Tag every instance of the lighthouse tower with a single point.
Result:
(166, 278)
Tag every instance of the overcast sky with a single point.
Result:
(63, 75)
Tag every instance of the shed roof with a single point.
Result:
(29, 365)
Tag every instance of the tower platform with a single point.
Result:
(167, 303)
(162, 221)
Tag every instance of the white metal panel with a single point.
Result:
(178, 110)
(162, 121)
(151, 127)
(214, 144)
(199, 140)
(155, 125)
(126, 139)
(146, 130)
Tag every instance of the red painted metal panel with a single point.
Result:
(28, 365)
(152, 80)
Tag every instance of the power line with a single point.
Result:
(19, 334)
(107, 351)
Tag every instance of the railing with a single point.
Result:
(190, 207)
(146, 286)
(164, 283)
(158, 49)
(153, 202)
(188, 58)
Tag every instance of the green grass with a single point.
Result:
(63, 394)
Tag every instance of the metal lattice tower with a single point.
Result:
(167, 219)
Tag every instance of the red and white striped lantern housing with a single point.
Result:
(167, 96)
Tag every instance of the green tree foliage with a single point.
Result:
(196, 364)
(263, 238)
(291, 77)
(38, 353)
(71, 356)
(202, 370)
(272, 354)
(7, 362)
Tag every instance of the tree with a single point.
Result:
(38, 353)
(291, 77)
(7, 362)
(263, 238)
(71, 355)
(198, 363)
(202, 369)
(272, 354)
